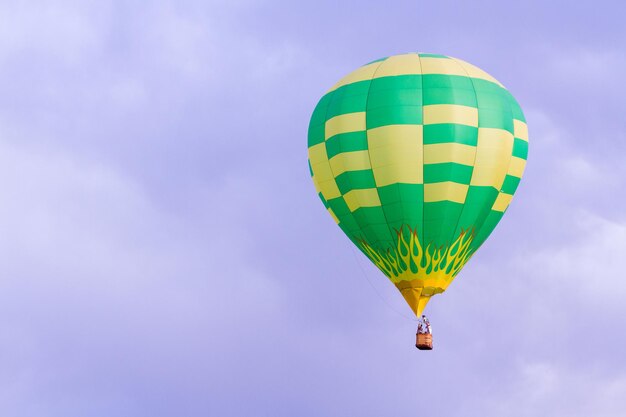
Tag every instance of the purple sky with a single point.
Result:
(163, 251)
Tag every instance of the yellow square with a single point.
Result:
(349, 161)
(406, 173)
(502, 202)
(317, 153)
(399, 65)
(432, 65)
(445, 191)
(366, 72)
(441, 153)
(385, 135)
(322, 171)
(450, 113)
(521, 130)
(493, 155)
(475, 72)
(344, 123)
(402, 151)
(396, 154)
(362, 198)
(516, 167)
(329, 189)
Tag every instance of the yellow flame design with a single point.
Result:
(435, 266)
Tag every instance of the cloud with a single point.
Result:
(550, 389)
(61, 31)
(590, 265)
(592, 64)
(163, 251)
(103, 289)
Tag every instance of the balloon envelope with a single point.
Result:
(416, 157)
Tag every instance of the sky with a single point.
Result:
(163, 251)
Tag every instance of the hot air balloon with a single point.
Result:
(416, 157)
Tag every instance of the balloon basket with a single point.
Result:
(424, 341)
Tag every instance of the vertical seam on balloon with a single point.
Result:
(458, 221)
(423, 237)
(511, 158)
(479, 227)
(367, 99)
(330, 101)
(476, 226)
(507, 170)
(326, 120)
(508, 166)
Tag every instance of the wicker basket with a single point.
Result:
(424, 341)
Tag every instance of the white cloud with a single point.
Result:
(579, 174)
(184, 43)
(559, 162)
(59, 30)
(588, 65)
(95, 277)
(542, 388)
(89, 222)
(543, 132)
(591, 265)
(274, 61)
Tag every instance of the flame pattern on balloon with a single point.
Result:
(410, 256)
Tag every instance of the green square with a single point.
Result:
(319, 114)
(393, 212)
(377, 233)
(396, 82)
(443, 95)
(520, 148)
(510, 184)
(494, 100)
(516, 110)
(346, 105)
(455, 82)
(402, 204)
(349, 99)
(349, 226)
(478, 203)
(450, 133)
(346, 142)
(449, 171)
(485, 86)
(338, 206)
(398, 97)
(495, 118)
(355, 180)
(389, 194)
(369, 215)
(412, 214)
(318, 120)
(411, 192)
(316, 134)
(394, 115)
(487, 227)
(440, 219)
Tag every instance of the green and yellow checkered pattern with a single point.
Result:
(423, 141)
